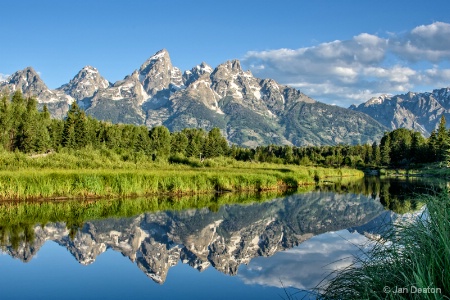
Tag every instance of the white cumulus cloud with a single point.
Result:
(424, 43)
(352, 71)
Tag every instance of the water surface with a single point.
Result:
(236, 251)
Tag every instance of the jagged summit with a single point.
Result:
(376, 100)
(443, 94)
(26, 80)
(85, 84)
(161, 57)
(230, 67)
(157, 73)
(196, 72)
(161, 54)
(89, 69)
(204, 68)
(30, 83)
(416, 111)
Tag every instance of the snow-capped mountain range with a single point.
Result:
(418, 111)
(248, 110)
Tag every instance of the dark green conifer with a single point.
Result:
(385, 149)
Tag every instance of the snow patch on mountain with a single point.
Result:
(3, 77)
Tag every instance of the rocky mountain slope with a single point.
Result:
(417, 111)
(225, 239)
(248, 110)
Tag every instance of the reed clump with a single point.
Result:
(414, 263)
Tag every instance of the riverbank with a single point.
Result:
(423, 170)
(27, 183)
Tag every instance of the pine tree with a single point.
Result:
(288, 154)
(75, 134)
(216, 144)
(369, 154)
(376, 154)
(416, 147)
(18, 109)
(432, 146)
(43, 140)
(442, 140)
(55, 130)
(30, 126)
(80, 130)
(196, 138)
(5, 121)
(93, 132)
(68, 135)
(142, 141)
(179, 143)
(160, 142)
(25, 123)
(386, 149)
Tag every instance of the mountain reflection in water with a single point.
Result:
(230, 237)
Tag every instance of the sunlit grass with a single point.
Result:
(102, 173)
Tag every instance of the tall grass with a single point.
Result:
(416, 256)
(103, 173)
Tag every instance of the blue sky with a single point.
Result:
(338, 52)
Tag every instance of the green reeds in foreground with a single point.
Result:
(414, 264)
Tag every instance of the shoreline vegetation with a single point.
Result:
(410, 262)
(90, 174)
(427, 170)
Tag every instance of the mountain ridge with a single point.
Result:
(248, 110)
(417, 111)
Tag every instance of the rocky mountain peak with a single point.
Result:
(196, 72)
(26, 80)
(29, 82)
(85, 84)
(204, 68)
(157, 73)
(231, 67)
(89, 69)
(443, 94)
(376, 100)
(235, 65)
(416, 111)
(161, 57)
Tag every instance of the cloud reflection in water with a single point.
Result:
(304, 266)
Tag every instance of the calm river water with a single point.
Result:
(242, 251)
